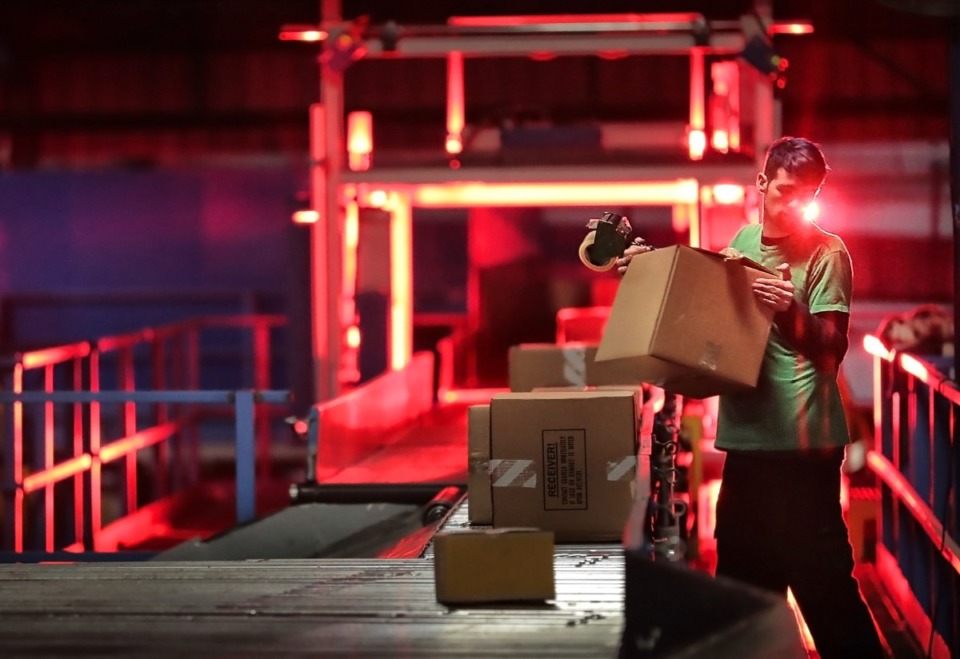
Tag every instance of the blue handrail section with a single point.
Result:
(916, 460)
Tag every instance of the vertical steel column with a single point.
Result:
(261, 375)
(79, 500)
(161, 450)
(193, 384)
(245, 463)
(327, 146)
(94, 498)
(768, 119)
(954, 68)
(456, 111)
(400, 321)
(49, 522)
(126, 367)
(697, 130)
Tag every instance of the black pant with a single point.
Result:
(779, 524)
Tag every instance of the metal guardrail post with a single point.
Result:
(245, 461)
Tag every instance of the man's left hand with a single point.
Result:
(775, 293)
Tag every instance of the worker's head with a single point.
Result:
(793, 171)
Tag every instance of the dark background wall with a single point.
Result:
(160, 146)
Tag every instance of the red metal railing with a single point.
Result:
(175, 405)
(916, 460)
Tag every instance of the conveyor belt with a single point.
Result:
(327, 607)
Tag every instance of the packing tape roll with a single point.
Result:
(512, 473)
(587, 242)
(623, 469)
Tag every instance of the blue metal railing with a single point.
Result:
(916, 459)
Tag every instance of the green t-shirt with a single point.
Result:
(794, 406)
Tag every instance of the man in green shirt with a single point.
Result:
(779, 521)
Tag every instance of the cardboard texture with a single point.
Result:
(493, 565)
(686, 320)
(564, 461)
(479, 506)
(545, 365)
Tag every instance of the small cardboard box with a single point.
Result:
(687, 321)
(493, 565)
(564, 461)
(479, 506)
(548, 365)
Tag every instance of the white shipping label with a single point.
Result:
(564, 469)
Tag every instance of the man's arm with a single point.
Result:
(820, 337)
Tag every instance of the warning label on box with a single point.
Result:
(564, 470)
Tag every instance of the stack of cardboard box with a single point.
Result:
(564, 461)
(683, 319)
(567, 450)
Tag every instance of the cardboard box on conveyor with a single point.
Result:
(534, 366)
(493, 565)
(562, 461)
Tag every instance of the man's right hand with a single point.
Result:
(730, 254)
(639, 246)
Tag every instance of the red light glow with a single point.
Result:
(696, 138)
(612, 55)
(377, 198)
(875, 347)
(359, 140)
(463, 195)
(473, 396)
(543, 56)
(724, 106)
(303, 33)
(914, 368)
(454, 145)
(553, 19)
(720, 141)
(811, 212)
(455, 103)
(728, 193)
(47, 477)
(306, 217)
(131, 444)
(401, 268)
(697, 143)
(805, 636)
(353, 337)
(793, 27)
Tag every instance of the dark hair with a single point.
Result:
(797, 156)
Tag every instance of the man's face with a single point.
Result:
(785, 197)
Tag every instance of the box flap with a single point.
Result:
(636, 310)
(750, 263)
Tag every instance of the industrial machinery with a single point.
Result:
(699, 166)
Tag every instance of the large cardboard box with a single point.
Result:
(479, 505)
(686, 320)
(493, 565)
(543, 365)
(564, 461)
